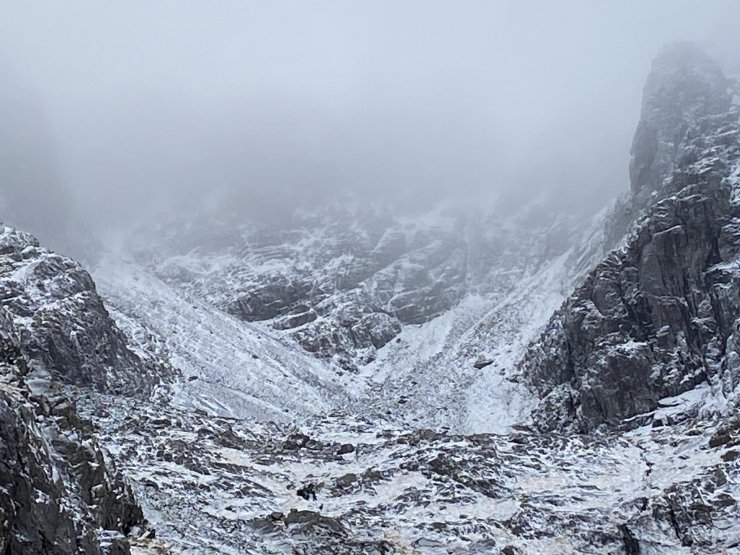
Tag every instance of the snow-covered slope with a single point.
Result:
(459, 370)
(487, 284)
(230, 367)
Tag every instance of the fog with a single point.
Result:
(142, 105)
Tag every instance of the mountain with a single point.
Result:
(356, 290)
(358, 379)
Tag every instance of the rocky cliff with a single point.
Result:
(60, 493)
(659, 315)
(64, 327)
(684, 88)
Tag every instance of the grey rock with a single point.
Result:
(684, 86)
(57, 490)
(658, 315)
(346, 448)
(271, 299)
(290, 321)
(482, 362)
(63, 324)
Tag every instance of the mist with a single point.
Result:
(138, 107)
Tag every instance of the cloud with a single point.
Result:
(156, 104)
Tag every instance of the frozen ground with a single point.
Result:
(220, 485)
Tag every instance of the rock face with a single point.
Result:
(343, 281)
(65, 330)
(659, 315)
(684, 87)
(58, 493)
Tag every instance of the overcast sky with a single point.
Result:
(149, 101)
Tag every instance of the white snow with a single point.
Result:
(230, 367)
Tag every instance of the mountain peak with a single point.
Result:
(684, 86)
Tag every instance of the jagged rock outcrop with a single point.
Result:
(58, 492)
(659, 315)
(64, 327)
(684, 86)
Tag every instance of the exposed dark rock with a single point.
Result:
(349, 332)
(272, 299)
(308, 492)
(308, 519)
(657, 316)
(481, 363)
(346, 448)
(64, 326)
(684, 86)
(375, 329)
(296, 441)
(631, 545)
(57, 490)
(290, 321)
(727, 435)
